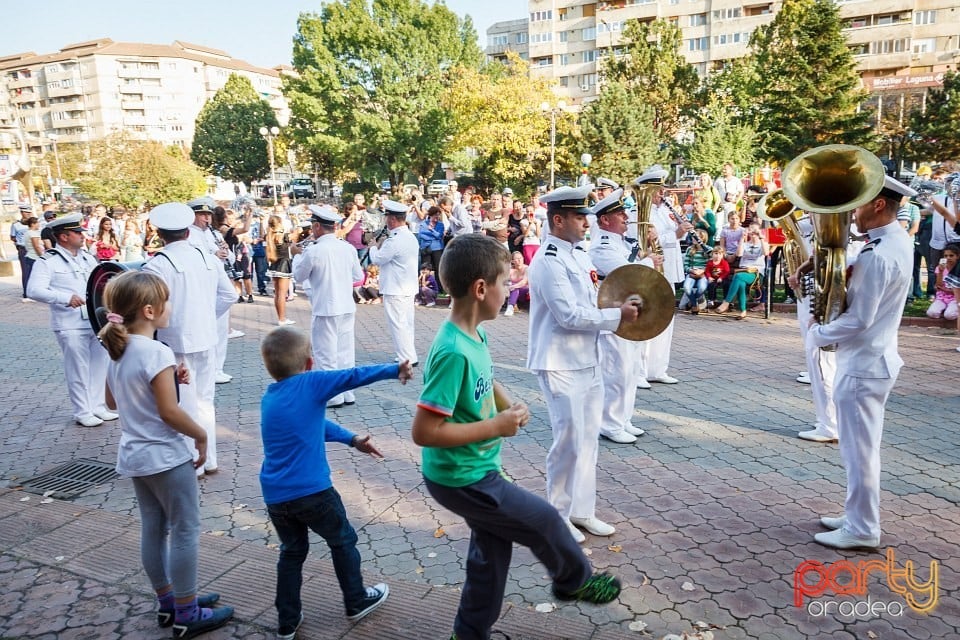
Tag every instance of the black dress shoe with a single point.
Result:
(349, 403)
(335, 406)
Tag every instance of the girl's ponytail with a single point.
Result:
(125, 296)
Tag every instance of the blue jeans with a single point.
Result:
(688, 286)
(260, 268)
(322, 512)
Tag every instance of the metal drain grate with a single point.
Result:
(71, 479)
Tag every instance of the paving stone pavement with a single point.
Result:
(715, 507)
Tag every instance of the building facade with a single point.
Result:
(510, 35)
(92, 89)
(902, 47)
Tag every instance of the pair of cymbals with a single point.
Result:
(651, 291)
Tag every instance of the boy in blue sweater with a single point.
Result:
(295, 475)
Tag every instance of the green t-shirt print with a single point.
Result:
(458, 383)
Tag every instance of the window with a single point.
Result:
(562, 14)
(53, 85)
(564, 81)
(697, 20)
(698, 44)
(610, 27)
(588, 80)
(924, 17)
(924, 45)
(590, 33)
(150, 66)
(564, 58)
(727, 14)
(538, 16)
(890, 46)
(545, 61)
(521, 38)
(590, 56)
(858, 23)
(589, 10)
(885, 20)
(498, 40)
(51, 68)
(537, 38)
(171, 66)
(564, 35)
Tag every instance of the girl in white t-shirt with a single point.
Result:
(142, 386)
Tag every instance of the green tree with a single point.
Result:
(718, 138)
(123, 170)
(809, 90)
(618, 131)
(370, 75)
(935, 130)
(227, 141)
(653, 62)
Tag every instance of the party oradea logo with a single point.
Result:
(842, 588)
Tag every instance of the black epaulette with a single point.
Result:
(870, 245)
(551, 250)
(580, 248)
(54, 252)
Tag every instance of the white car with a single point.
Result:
(438, 187)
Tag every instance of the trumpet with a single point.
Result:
(829, 182)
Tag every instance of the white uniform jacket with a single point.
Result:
(330, 266)
(564, 318)
(199, 292)
(667, 225)
(866, 333)
(56, 277)
(398, 260)
(207, 239)
(608, 252)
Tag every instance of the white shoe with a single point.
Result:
(509, 311)
(222, 378)
(235, 334)
(431, 304)
(803, 379)
(842, 539)
(621, 437)
(594, 526)
(89, 421)
(31, 300)
(816, 435)
(643, 384)
(634, 431)
(578, 536)
(958, 348)
(106, 415)
(210, 468)
(664, 380)
(833, 523)
(288, 321)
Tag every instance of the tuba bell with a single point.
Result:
(830, 182)
(774, 207)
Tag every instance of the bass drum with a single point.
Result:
(97, 283)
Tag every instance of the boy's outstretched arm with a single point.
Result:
(431, 429)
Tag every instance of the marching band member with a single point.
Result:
(821, 365)
(59, 278)
(562, 352)
(200, 292)
(618, 357)
(867, 362)
(398, 256)
(330, 267)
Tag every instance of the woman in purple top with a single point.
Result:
(352, 230)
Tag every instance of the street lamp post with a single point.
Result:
(270, 134)
(545, 106)
(56, 156)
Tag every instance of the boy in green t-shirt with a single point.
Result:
(462, 415)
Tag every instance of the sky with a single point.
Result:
(259, 32)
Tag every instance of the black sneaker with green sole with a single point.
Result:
(600, 588)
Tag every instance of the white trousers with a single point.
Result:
(334, 347)
(574, 403)
(860, 417)
(619, 360)
(85, 368)
(196, 398)
(822, 367)
(400, 320)
(223, 332)
(657, 354)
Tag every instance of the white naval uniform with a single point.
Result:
(619, 358)
(821, 365)
(328, 268)
(657, 349)
(208, 240)
(399, 272)
(868, 365)
(56, 277)
(562, 351)
(199, 292)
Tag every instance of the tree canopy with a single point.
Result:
(934, 132)
(227, 141)
(618, 129)
(808, 89)
(721, 138)
(370, 75)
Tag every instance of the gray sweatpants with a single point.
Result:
(170, 528)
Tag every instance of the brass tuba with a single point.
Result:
(830, 182)
(645, 186)
(774, 207)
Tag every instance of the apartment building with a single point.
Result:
(510, 35)
(89, 90)
(902, 47)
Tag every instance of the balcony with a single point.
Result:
(64, 91)
(68, 123)
(21, 83)
(130, 121)
(25, 97)
(131, 88)
(132, 103)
